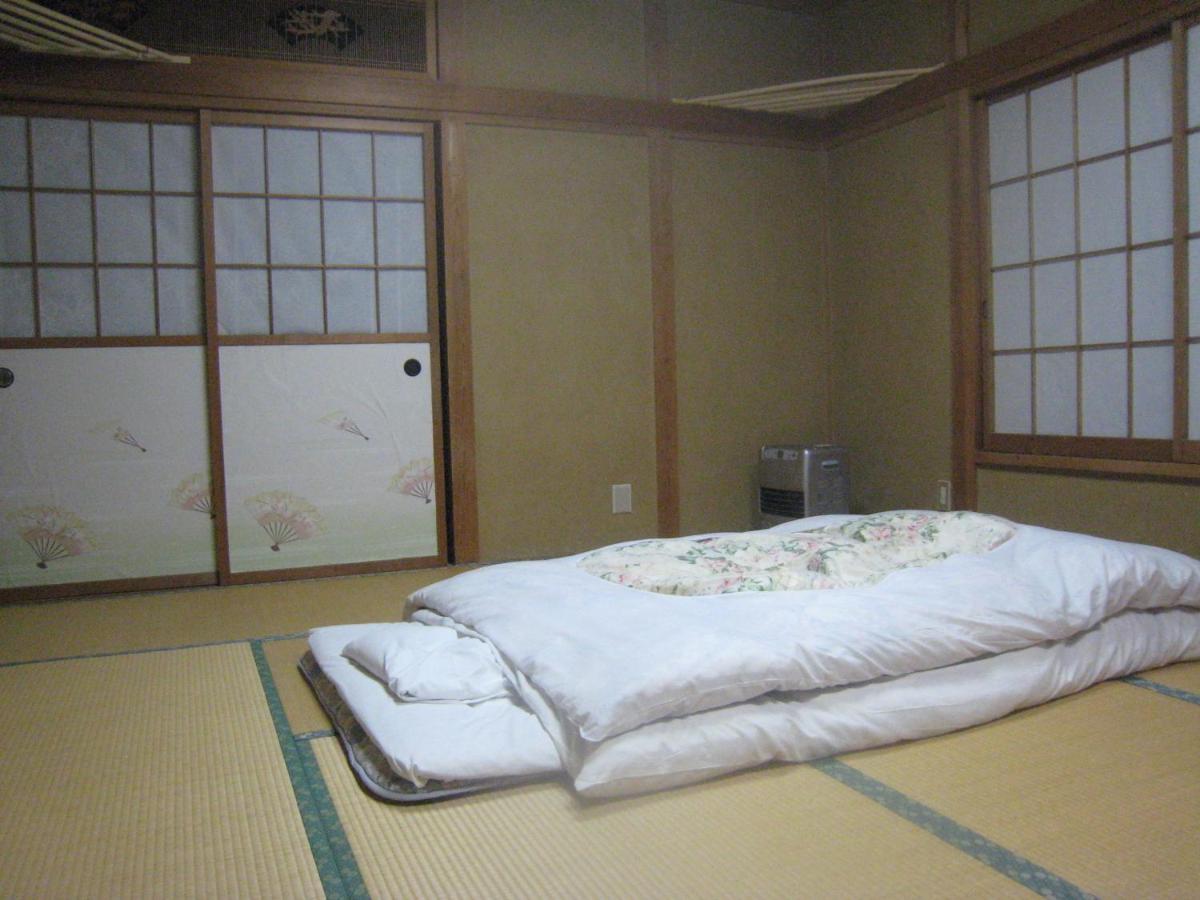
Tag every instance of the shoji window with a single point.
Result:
(324, 262)
(1087, 327)
(99, 228)
(105, 482)
(318, 231)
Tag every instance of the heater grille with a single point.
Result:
(778, 502)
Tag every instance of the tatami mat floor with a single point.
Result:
(165, 745)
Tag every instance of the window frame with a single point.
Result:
(1173, 456)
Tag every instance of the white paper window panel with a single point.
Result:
(123, 229)
(14, 227)
(1052, 124)
(349, 233)
(1102, 205)
(346, 166)
(1194, 392)
(180, 301)
(16, 302)
(350, 300)
(1105, 393)
(14, 156)
(1150, 94)
(177, 230)
(61, 154)
(297, 301)
(1055, 394)
(64, 227)
(293, 161)
(1104, 307)
(126, 302)
(67, 302)
(174, 158)
(1153, 294)
(240, 230)
(295, 232)
(1153, 392)
(400, 164)
(238, 165)
(121, 156)
(1054, 215)
(1010, 224)
(1194, 288)
(1011, 309)
(1100, 104)
(1012, 391)
(1054, 304)
(1194, 181)
(1150, 194)
(401, 233)
(1193, 75)
(403, 303)
(242, 302)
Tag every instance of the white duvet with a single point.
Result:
(634, 690)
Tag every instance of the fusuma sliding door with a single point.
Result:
(218, 349)
(326, 316)
(104, 445)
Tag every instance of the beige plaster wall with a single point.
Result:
(890, 286)
(572, 46)
(995, 21)
(717, 46)
(876, 35)
(1148, 512)
(562, 335)
(751, 319)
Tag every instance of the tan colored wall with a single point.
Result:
(1148, 512)
(562, 334)
(890, 284)
(875, 35)
(751, 319)
(573, 46)
(718, 46)
(996, 21)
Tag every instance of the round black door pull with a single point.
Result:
(412, 368)
(6, 377)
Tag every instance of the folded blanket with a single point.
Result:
(430, 664)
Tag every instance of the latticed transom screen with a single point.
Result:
(1088, 326)
(319, 231)
(379, 33)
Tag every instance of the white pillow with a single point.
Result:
(429, 663)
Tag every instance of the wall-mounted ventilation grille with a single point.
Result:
(378, 33)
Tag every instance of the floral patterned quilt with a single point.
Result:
(854, 554)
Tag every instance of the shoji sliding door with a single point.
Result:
(104, 442)
(322, 233)
(218, 349)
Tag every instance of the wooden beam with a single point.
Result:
(270, 86)
(662, 291)
(460, 372)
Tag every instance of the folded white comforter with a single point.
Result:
(636, 690)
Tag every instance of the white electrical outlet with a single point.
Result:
(622, 498)
(943, 495)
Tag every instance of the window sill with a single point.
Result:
(1173, 471)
